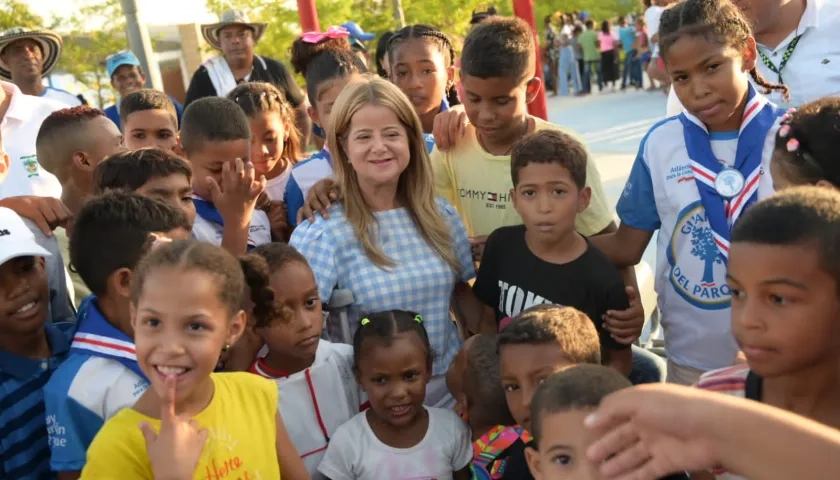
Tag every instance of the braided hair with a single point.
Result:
(435, 36)
(255, 98)
(718, 20)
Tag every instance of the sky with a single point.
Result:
(151, 11)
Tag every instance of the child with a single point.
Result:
(151, 172)
(186, 300)
(127, 77)
(548, 169)
(694, 175)
(807, 145)
(217, 141)
(100, 377)
(31, 348)
(473, 378)
(275, 140)
(397, 437)
(422, 63)
(328, 64)
(538, 342)
(317, 390)
(70, 144)
(149, 119)
(785, 311)
(561, 403)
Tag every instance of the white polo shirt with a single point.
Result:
(62, 96)
(20, 128)
(813, 69)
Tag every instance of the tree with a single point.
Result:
(85, 48)
(703, 246)
(14, 13)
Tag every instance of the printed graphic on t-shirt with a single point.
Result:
(221, 459)
(492, 200)
(30, 163)
(698, 276)
(56, 432)
(513, 300)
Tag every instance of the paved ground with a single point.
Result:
(613, 125)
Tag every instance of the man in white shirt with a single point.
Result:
(652, 15)
(798, 45)
(27, 56)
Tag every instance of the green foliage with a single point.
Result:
(14, 13)
(85, 50)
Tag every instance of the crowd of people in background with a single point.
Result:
(395, 271)
(579, 52)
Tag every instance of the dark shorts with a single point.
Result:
(645, 58)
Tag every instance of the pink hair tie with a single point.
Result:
(331, 33)
(792, 145)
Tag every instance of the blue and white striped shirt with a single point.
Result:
(24, 449)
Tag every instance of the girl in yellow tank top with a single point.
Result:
(186, 307)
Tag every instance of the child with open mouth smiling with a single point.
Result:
(186, 307)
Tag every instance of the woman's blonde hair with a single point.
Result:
(415, 189)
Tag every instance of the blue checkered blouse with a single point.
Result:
(421, 281)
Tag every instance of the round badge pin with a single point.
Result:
(729, 183)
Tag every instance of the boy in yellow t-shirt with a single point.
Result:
(497, 74)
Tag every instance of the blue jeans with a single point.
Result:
(568, 69)
(648, 367)
(632, 68)
(587, 75)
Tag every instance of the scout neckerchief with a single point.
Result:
(95, 336)
(206, 210)
(785, 57)
(726, 191)
(486, 464)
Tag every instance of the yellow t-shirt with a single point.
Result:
(241, 444)
(478, 184)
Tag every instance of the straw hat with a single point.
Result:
(228, 18)
(49, 42)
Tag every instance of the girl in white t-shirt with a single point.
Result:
(275, 141)
(398, 437)
(318, 391)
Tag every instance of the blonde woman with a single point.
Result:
(390, 240)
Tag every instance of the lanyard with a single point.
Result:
(785, 57)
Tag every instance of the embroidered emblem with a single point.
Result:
(30, 163)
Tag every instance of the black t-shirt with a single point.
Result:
(271, 71)
(512, 279)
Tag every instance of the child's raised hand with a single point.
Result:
(450, 127)
(237, 196)
(174, 452)
(626, 326)
(318, 199)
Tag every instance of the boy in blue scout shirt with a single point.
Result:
(31, 348)
(110, 235)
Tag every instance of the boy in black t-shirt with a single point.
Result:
(546, 260)
(560, 405)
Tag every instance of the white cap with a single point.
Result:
(16, 240)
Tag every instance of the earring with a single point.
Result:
(226, 347)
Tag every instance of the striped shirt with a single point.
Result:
(737, 382)
(24, 449)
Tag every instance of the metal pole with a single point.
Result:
(399, 15)
(139, 43)
(308, 14)
(524, 9)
